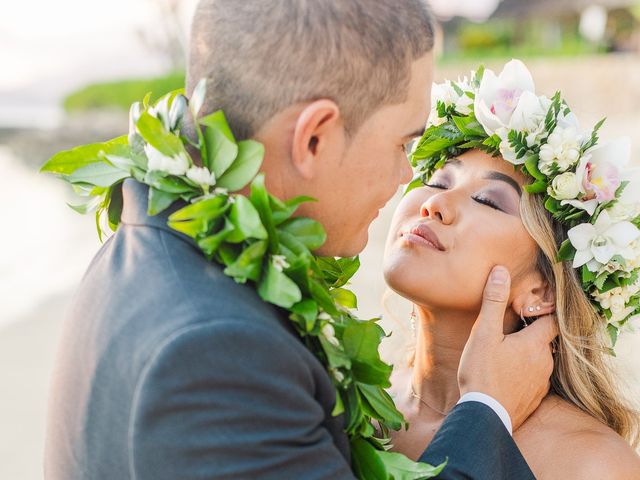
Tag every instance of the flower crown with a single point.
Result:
(587, 186)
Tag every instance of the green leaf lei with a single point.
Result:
(258, 240)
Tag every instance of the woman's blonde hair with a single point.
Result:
(583, 374)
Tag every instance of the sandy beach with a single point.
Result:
(40, 267)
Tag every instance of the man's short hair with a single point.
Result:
(261, 56)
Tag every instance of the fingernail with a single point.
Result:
(499, 275)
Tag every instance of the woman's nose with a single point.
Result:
(436, 207)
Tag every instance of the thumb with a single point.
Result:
(494, 302)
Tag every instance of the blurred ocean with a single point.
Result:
(45, 246)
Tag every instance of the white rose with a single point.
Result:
(617, 304)
(565, 186)
(562, 150)
(201, 176)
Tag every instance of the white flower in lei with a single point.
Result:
(598, 243)
(158, 161)
(202, 176)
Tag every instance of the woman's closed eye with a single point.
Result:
(481, 199)
(488, 202)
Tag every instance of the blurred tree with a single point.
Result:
(167, 37)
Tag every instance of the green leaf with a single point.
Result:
(167, 183)
(275, 287)
(249, 264)
(282, 211)
(160, 201)
(613, 334)
(308, 310)
(246, 219)
(366, 463)
(339, 406)
(600, 281)
(382, 403)
(415, 183)
(100, 174)
(540, 186)
(244, 168)
(260, 199)
(344, 297)
(211, 243)
(87, 207)
(114, 211)
(552, 204)
(567, 251)
(531, 164)
(220, 145)
(587, 275)
(361, 342)
(209, 209)
(400, 467)
(338, 272)
(307, 231)
(154, 133)
(69, 161)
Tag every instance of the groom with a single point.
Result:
(168, 369)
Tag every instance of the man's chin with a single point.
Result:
(344, 247)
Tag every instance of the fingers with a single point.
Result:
(545, 329)
(494, 301)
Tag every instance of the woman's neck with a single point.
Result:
(440, 340)
(441, 336)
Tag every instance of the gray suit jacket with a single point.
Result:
(168, 369)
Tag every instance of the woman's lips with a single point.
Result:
(423, 235)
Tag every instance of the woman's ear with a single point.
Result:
(318, 135)
(534, 298)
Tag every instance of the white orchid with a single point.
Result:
(508, 103)
(202, 176)
(158, 161)
(600, 173)
(498, 96)
(597, 244)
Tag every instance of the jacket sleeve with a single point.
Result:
(230, 400)
(477, 446)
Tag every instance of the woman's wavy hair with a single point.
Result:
(583, 373)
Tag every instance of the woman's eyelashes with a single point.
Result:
(478, 198)
(488, 202)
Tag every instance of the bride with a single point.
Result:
(473, 211)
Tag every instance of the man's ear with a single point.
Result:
(318, 132)
(534, 298)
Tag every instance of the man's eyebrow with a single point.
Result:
(504, 178)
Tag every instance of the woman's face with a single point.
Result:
(447, 236)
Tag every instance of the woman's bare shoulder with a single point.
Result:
(562, 441)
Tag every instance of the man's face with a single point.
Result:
(365, 175)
